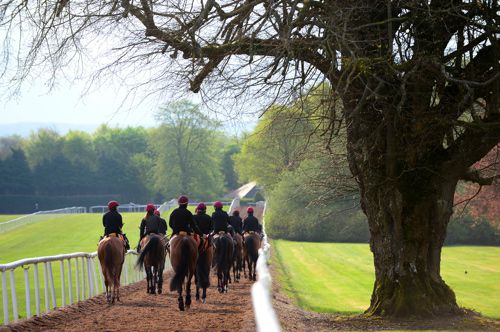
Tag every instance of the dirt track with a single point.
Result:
(139, 311)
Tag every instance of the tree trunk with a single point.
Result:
(408, 227)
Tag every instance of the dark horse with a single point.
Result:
(111, 253)
(202, 275)
(237, 256)
(224, 248)
(152, 257)
(183, 256)
(251, 253)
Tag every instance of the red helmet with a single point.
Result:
(250, 210)
(157, 213)
(236, 213)
(112, 204)
(218, 205)
(150, 207)
(201, 206)
(182, 200)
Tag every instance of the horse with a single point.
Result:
(152, 257)
(111, 254)
(251, 253)
(183, 256)
(237, 257)
(224, 248)
(202, 275)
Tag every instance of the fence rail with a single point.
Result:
(79, 269)
(265, 317)
(39, 216)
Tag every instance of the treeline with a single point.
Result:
(311, 193)
(186, 154)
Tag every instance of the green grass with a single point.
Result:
(7, 217)
(338, 277)
(60, 235)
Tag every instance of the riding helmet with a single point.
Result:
(250, 209)
(150, 207)
(112, 204)
(218, 205)
(236, 213)
(157, 213)
(182, 200)
(201, 206)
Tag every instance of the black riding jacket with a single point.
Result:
(251, 224)
(204, 222)
(237, 224)
(221, 220)
(152, 224)
(181, 219)
(112, 222)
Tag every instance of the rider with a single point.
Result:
(181, 219)
(151, 223)
(235, 221)
(112, 221)
(203, 220)
(251, 224)
(163, 224)
(220, 218)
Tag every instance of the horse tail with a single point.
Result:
(108, 261)
(203, 270)
(182, 268)
(150, 247)
(221, 252)
(253, 254)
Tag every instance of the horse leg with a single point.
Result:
(180, 300)
(220, 285)
(160, 279)
(188, 290)
(244, 268)
(197, 296)
(255, 271)
(108, 290)
(204, 296)
(155, 278)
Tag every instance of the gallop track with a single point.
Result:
(139, 311)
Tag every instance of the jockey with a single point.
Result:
(112, 220)
(181, 219)
(235, 221)
(113, 223)
(203, 220)
(163, 224)
(251, 224)
(220, 218)
(151, 223)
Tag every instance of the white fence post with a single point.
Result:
(27, 292)
(82, 278)
(46, 285)
(77, 280)
(63, 284)
(4, 298)
(13, 295)
(70, 283)
(52, 288)
(37, 290)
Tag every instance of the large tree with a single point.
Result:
(418, 80)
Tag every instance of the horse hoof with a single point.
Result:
(159, 291)
(204, 301)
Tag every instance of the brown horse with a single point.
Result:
(251, 253)
(202, 275)
(237, 257)
(111, 254)
(183, 256)
(152, 257)
(224, 248)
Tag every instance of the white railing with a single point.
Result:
(39, 216)
(130, 207)
(82, 269)
(265, 317)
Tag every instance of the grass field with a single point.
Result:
(69, 234)
(338, 277)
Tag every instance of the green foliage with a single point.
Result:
(230, 176)
(468, 230)
(339, 277)
(186, 151)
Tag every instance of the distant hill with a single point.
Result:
(25, 128)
